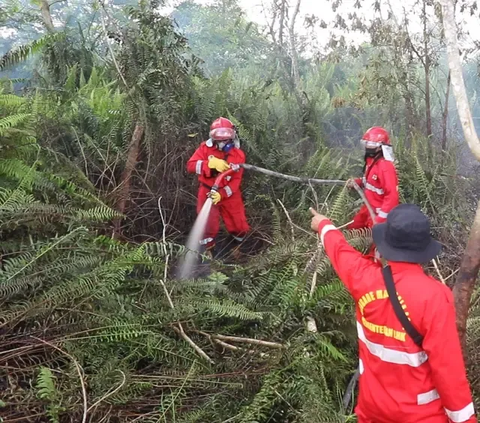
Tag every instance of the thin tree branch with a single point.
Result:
(438, 271)
(289, 220)
(182, 333)
(180, 330)
(252, 341)
(109, 394)
(111, 50)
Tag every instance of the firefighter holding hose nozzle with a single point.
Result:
(379, 182)
(213, 157)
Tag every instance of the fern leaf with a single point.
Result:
(19, 54)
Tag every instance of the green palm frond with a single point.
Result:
(21, 53)
(9, 122)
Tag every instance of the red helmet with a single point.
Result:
(375, 137)
(222, 129)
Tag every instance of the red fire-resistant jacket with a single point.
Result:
(380, 184)
(399, 381)
(198, 164)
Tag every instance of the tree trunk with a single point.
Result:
(445, 115)
(125, 180)
(458, 85)
(427, 97)
(427, 72)
(46, 16)
(282, 23)
(467, 276)
(293, 47)
(470, 266)
(409, 105)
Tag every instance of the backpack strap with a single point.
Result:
(397, 307)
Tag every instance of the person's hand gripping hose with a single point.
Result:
(218, 164)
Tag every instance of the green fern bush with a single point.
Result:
(81, 309)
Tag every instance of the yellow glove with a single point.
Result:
(215, 196)
(218, 164)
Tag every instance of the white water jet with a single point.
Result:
(193, 243)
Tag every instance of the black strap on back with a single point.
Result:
(397, 307)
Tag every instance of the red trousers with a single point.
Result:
(361, 418)
(231, 210)
(362, 219)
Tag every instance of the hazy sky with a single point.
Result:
(323, 10)
(255, 10)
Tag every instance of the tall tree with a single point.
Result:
(470, 265)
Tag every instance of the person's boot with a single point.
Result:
(208, 252)
(235, 254)
(206, 256)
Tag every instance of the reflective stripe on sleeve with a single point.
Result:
(205, 241)
(427, 397)
(361, 369)
(228, 190)
(382, 214)
(391, 356)
(376, 190)
(461, 415)
(326, 228)
(198, 168)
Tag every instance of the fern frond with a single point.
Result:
(21, 53)
(98, 214)
(340, 206)
(12, 121)
(45, 384)
(226, 308)
(10, 101)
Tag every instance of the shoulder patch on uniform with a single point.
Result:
(374, 177)
(209, 143)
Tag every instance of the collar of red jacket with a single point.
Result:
(400, 266)
(396, 266)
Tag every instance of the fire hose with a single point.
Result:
(303, 180)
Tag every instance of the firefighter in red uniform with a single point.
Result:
(380, 182)
(401, 379)
(212, 157)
